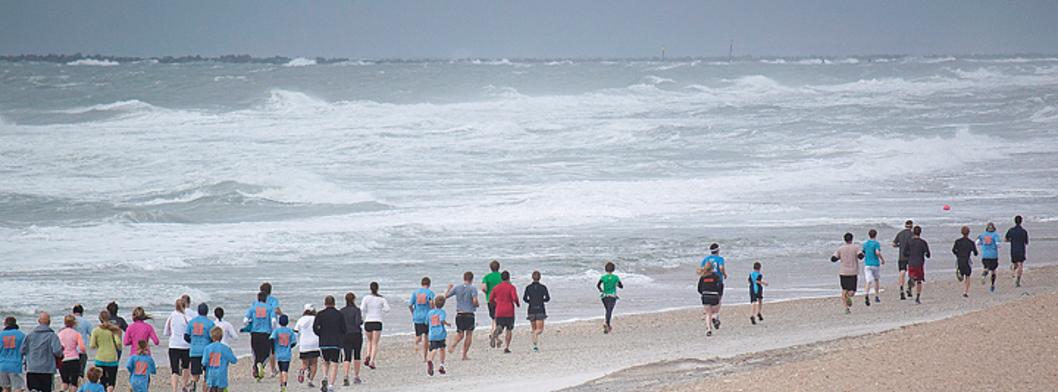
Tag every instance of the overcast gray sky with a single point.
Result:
(527, 28)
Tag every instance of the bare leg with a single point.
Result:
(455, 342)
(507, 340)
(466, 344)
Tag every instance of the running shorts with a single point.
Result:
(964, 268)
(309, 354)
(110, 376)
(756, 296)
(437, 345)
(990, 264)
(465, 322)
(537, 316)
(332, 355)
(179, 359)
(196, 366)
(14, 381)
(352, 344)
(917, 274)
(284, 366)
(710, 299)
(872, 273)
(421, 329)
(373, 326)
(505, 322)
(492, 310)
(848, 282)
(902, 264)
(69, 371)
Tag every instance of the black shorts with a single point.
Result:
(990, 264)
(901, 264)
(465, 322)
(284, 366)
(309, 354)
(492, 310)
(721, 285)
(373, 326)
(179, 359)
(848, 282)
(964, 268)
(421, 329)
(260, 344)
(69, 372)
(710, 299)
(332, 355)
(196, 366)
(352, 343)
(110, 376)
(43, 382)
(504, 322)
(1017, 259)
(437, 345)
(536, 316)
(757, 296)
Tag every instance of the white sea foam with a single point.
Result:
(300, 62)
(94, 62)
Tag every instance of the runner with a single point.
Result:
(1018, 238)
(504, 297)
(466, 304)
(73, 346)
(535, 296)
(607, 286)
(353, 342)
(438, 319)
(84, 327)
(917, 253)
(330, 327)
(373, 306)
(989, 243)
(721, 270)
(179, 349)
(872, 262)
(260, 317)
(41, 350)
(849, 255)
(11, 340)
(308, 345)
(216, 358)
(962, 249)
(115, 319)
(756, 293)
(709, 290)
(230, 333)
(198, 335)
(139, 331)
(93, 375)
(283, 339)
(106, 340)
(419, 304)
(487, 284)
(903, 238)
(266, 288)
(140, 367)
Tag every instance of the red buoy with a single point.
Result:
(947, 207)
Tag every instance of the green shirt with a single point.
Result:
(490, 281)
(609, 284)
(106, 344)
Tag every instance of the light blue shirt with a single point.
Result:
(870, 255)
(754, 281)
(437, 325)
(420, 304)
(11, 341)
(989, 244)
(284, 338)
(718, 261)
(216, 358)
(140, 368)
(199, 328)
(261, 316)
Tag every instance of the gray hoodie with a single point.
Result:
(41, 348)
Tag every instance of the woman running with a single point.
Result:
(373, 306)
(179, 349)
(106, 340)
(709, 289)
(535, 296)
(72, 348)
(308, 345)
(139, 331)
(608, 285)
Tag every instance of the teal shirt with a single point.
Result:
(216, 358)
(199, 328)
(870, 255)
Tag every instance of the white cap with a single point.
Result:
(309, 307)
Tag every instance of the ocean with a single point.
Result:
(139, 182)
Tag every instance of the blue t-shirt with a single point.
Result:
(717, 261)
(284, 339)
(272, 301)
(11, 341)
(261, 316)
(216, 358)
(754, 281)
(91, 387)
(420, 304)
(989, 243)
(870, 253)
(199, 328)
(140, 368)
(437, 325)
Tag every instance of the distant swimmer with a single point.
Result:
(1018, 238)
(962, 249)
(872, 262)
(989, 243)
(756, 293)
(709, 290)
(902, 240)
(607, 286)
(721, 270)
(535, 296)
(466, 296)
(917, 253)
(849, 255)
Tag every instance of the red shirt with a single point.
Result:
(505, 296)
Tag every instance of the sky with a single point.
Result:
(527, 28)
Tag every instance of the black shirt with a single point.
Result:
(963, 248)
(917, 252)
(353, 319)
(536, 295)
(902, 240)
(709, 284)
(119, 321)
(1018, 238)
(330, 327)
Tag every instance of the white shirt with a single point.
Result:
(307, 339)
(373, 307)
(230, 333)
(175, 327)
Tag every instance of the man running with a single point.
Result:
(41, 350)
(989, 243)
(466, 296)
(903, 238)
(872, 261)
(1018, 238)
(505, 298)
(962, 249)
(849, 255)
(419, 304)
(330, 327)
(718, 266)
(487, 284)
(917, 253)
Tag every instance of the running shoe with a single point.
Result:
(441, 370)
(357, 381)
(848, 301)
(283, 389)
(902, 297)
(311, 385)
(992, 289)
(345, 382)
(759, 317)
(323, 385)
(506, 351)
(301, 376)
(716, 323)
(536, 349)
(867, 300)
(918, 302)
(958, 275)
(492, 341)
(260, 373)
(1017, 282)
(964, 295)
(877, 299)
(429, 367)
(708, 333)
(848, 311)
(753, 320)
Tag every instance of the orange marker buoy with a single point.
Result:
(947, 207)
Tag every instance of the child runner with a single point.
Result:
(72, 348)
(139, 331)
(849, 255)
(179, 349)
(308, 345)
(353, 342)
(438, 320)
(466, 304)
(373, 306)
(962, 249)
(106, 340)
(197, 334)
(872, 270)
(756, 293)
(903, 238)
(11, 340)
(1018, 238)
(504, 298)
(536, 295)
(93, 375)
(989, 243)
(330, 327)
(709, 289)
(419, 305)
(917, 253)
(216, 358)
(284, 339)
(230, 333)
(141, 367)
(487, 284)
(607, 286)
(260, 317)
(721, 271)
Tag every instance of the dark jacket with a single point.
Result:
(963, 248)
(41, 348)
(917, 252)
(330, 327)
(353, 319)
(536, 295)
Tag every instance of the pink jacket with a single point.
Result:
(72, 344)
(138, 331)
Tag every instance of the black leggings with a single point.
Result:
(608, 303)
(261, 345)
